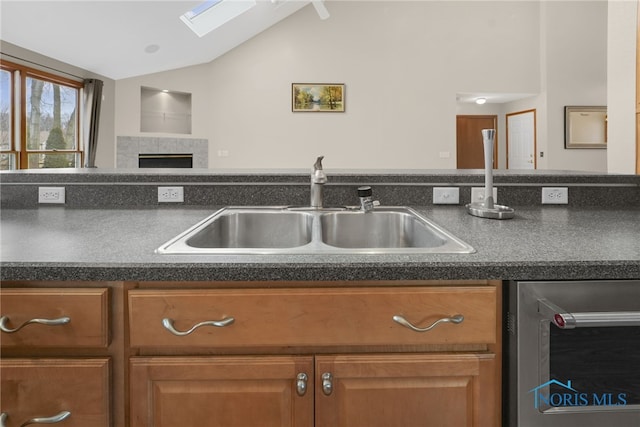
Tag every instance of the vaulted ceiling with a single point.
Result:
(120, 39)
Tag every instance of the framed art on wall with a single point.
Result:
(317, 97)
(585, 127)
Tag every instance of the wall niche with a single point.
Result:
(164, 111)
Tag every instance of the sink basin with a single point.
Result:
(255, 229)
(282, 230)
(378, 229)
(244, 230)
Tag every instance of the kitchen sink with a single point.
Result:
(286, 230)
(254, 229)
(378, 229)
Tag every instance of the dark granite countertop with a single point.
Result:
(540, 243)
(405, 176)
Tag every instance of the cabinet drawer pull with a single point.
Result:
(327, 383)
(168, 324)
(38, 420)
(48, 322)
(301, 384)
(456, 319)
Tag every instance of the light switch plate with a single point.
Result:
(446, 195)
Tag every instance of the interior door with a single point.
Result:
(521, 140)
(469, 148)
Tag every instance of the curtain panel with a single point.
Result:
(92, 102)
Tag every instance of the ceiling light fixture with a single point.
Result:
(209, 15)
(481, 101)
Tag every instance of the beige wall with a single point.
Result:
(402, 64)
(621, 83)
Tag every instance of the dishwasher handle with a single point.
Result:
(566, 320)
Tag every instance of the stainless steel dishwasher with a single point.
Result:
(572, 354)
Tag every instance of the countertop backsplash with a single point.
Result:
(134, 188)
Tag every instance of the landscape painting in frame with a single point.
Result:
(317, 97)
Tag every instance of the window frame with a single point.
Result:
(18, 145)
(12, 116)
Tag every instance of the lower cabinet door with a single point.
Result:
(430, 390)
(72, 392)
(229, 391)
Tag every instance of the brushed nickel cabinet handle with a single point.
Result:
(455, 319)
(38, 420)
(48, 322)
(48, 420)
(301, 384)
(168, 325)
(327, 383)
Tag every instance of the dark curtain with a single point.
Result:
(92, 101)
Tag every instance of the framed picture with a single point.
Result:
(317, 97)
(585, 127)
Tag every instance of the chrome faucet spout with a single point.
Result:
(318, 179)
(488, 208)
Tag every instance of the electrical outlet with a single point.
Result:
(446, 195)
(170, 194)
(51, 195)
(555, 195)
(477, 195)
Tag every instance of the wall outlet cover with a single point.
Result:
(170, 194)
(477, 195)
(446, 195)
(555, 195)
(53, 195)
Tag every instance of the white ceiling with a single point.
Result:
(109, 37)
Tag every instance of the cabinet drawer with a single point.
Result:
(47, 387)
(86, 309)
(311, 317)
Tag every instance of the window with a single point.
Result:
(39, 119)
(7, 153)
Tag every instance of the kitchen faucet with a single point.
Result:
(318, 179)
(487, 208)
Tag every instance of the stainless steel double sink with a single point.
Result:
(290, 230)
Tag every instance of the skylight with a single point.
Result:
(211, 14)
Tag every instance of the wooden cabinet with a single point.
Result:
(442, 390)
(54, 362)
(309, 317)
(72, 318)
(369, 356)
(241, 391)
(147, 354)
(45, 388)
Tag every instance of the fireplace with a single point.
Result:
(159, 160)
